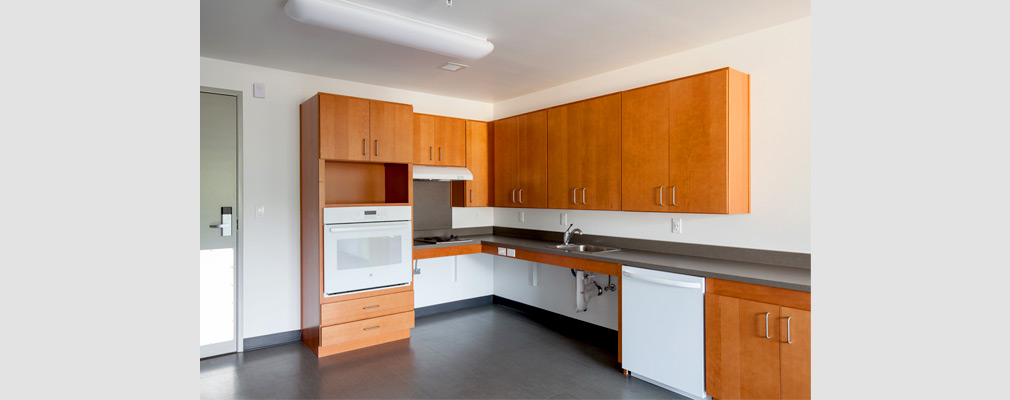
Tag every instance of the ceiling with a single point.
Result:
(538, 43)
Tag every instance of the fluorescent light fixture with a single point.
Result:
(366, 21)
(451, 66)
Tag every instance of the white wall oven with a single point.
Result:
(366, 248)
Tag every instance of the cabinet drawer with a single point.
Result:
(337, 334)
(368, 307)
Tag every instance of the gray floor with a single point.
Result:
(484, 352)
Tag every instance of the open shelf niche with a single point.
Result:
(345, 184)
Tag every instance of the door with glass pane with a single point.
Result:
(219, 125)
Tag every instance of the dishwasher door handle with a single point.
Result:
(667, 282)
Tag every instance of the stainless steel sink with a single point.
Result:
(583, 248)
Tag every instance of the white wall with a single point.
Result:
(554, 290)
(448, 279)
(778, 60)
(270, 147)
(470, 217)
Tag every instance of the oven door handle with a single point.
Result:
(370, 227)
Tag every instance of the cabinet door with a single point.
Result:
(599, 168)
(698, 144)
(424, 139)
(450, 141)
(741, 348)
(645, 148)
(533, 160)
(391, 132)
(794, 346)
(477, 162)
(343, 128)
(564, 161)
(506, 162)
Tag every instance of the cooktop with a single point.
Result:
(441, 239)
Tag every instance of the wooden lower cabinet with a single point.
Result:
(741, 362)
(795, 353)
(757, 342)
(360, 320)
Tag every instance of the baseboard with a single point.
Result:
(601, 336)
(273, 339)
(452, 306)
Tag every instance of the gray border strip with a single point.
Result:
(273, 339)
(452, 306)
(770, 257)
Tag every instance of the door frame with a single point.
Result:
(239, 306)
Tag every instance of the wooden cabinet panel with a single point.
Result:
(794, 346)
(564, 160)
(703, 176)
(368, 307)
(741, 361)
(600, 173)
(450, 142)
(506, 162)
(374, 327)
(343, 128)
(532, 146)
(424, 139)
(476, 191)
(584, 166)
(391, 132)
(645, 147)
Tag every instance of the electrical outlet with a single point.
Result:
(510, 252)
(564, 219)
(522, 216)
(501, 251)
(260, 210)
(676, 225)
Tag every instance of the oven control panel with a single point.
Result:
(350, 215)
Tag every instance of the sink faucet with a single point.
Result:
(568, 234)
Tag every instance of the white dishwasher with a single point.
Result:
(663, 329)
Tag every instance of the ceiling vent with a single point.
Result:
(451, 66)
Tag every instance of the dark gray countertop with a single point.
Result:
(761, 274)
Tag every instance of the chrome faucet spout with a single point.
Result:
(569, 232)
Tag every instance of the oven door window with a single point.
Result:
(368, 252)
(366, 256)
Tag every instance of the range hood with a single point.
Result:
(430, 173)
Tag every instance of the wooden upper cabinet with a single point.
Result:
(645, 148)
(600, 173)
(474, 193)
(584, 166)
(794, 345)
(391, 132)
(424, 139)
(710, 143)
(564, 158)
(532, 148)
(741, 348)
(506, 162)
(439, 140)
(343, 127)
(450, 141)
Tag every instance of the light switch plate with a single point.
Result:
(501, 251)
(510, 252)
(259, 91)
(564, 219)
(260, 210)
